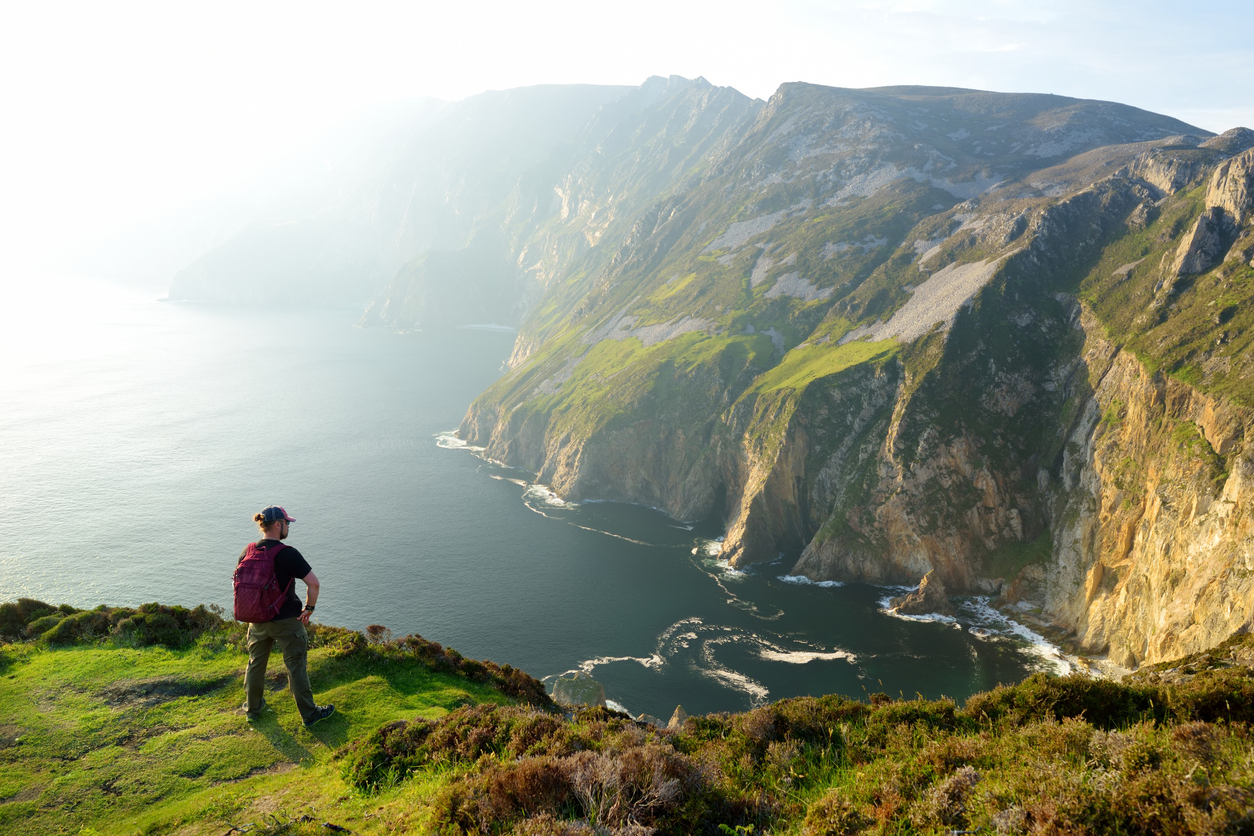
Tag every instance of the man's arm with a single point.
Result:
(311, 595)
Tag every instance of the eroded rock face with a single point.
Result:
(1203, 246)
(1229, 204)
(1153, 532)
(929, 597)
(1168, 172)
(1232, 187)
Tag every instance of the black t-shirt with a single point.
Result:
(288, 564)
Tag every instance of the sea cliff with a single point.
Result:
(1028, 376)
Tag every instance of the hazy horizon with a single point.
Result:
(123, 114)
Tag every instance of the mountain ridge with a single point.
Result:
(863, 327)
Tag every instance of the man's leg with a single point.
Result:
(294, 642)
(259, 643)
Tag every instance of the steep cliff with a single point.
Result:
(875, 332)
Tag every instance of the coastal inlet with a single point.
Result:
(664, 622)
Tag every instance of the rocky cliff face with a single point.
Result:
(1153, 532)
(875, 334)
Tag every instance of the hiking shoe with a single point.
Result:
(256, 715)
(323, 712)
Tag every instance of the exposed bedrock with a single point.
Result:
(1153, 533)
(929, 597)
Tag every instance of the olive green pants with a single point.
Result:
(290, 634)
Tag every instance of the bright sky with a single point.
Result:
(118, 111)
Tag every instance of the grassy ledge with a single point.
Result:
(116, 730)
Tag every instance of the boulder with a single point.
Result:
(678, 718)
(578, 689)
(930, 597)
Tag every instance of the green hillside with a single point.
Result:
(121, 721)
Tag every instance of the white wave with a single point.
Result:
(722, 572)
(547, 496)
(653, 662)
(612, 705)
(449, 441)
(992, 625)
(802, 580)
(801, 657)
(709, 548)
(758, 693)
(931, 617)
(522, 483)
(885, 606)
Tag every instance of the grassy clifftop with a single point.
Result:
(116, 729)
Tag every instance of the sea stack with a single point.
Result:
(929, 597)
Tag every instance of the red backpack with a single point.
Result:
(258, 597)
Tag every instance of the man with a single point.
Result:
(288, 625)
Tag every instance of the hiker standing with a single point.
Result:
(265, 597)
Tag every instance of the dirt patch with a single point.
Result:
(9, 735)
(161, 689)
(137, 737)
(26, 794)
(276, 680)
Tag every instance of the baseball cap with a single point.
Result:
(275, 513)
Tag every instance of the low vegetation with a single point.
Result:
(103, 734)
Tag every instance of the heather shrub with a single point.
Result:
(461, 737)
(80, 627)
(43, 624)
(834, 815)
(15, 616)
(545, 824)
(1198, 740)
(1101, 702)
(153, 624)
(945, 804)
(148, 628)
(1214, 696)
(148, 624)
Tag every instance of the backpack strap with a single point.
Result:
(291, 582)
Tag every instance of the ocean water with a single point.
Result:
(138, 438)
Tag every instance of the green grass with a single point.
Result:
(1202, 330)
(1011, 557)
(101, 738)
(152, 739)
(803, 365)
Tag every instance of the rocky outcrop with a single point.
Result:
(1232, 188)
(1170, 171)
(578, 689)
(928, 598)
(1231, 142)
(1229, 204)
(1203, 245)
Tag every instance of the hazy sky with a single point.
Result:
(116, 111)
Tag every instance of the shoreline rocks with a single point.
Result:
(929, 597)
(578, 689)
